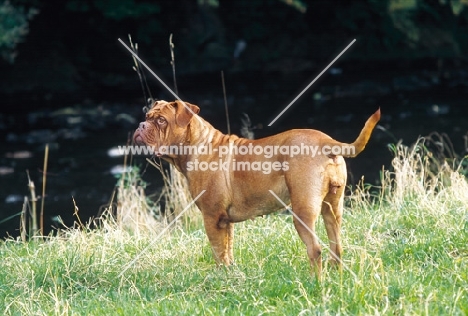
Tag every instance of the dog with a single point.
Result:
(246, 178)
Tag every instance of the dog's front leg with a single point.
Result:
(220, 232)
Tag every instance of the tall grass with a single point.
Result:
(134, 211)
(405, 249)
(177, 196)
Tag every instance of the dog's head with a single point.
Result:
(166, 124)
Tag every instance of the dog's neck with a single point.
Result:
(201, 133)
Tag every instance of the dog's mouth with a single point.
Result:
(138, 138)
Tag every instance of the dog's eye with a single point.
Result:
(161, 120)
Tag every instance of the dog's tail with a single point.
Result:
(359, 144)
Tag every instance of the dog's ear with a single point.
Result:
(184, 112)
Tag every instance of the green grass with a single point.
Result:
(406, 253)
(400, 267)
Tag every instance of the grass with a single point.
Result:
(406, 253)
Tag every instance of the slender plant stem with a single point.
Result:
(225, 104)
(24, 217)
(137, 68)
(171, 46)
(44, 180)
(32, 190)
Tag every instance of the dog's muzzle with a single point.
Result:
(138, 137)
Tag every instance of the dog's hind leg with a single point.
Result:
(230, 229)
(305, 217)
(332, 207)
(332, 212)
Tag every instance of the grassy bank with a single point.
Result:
(405, 253)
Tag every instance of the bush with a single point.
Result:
(14, 26)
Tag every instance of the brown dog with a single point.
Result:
(304, 168)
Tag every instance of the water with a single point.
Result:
(80, 135)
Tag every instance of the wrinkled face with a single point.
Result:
(165, 125)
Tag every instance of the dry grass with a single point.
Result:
(134, 212)
(405, 250)
(419, 174)
(177, 196)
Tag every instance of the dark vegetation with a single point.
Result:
(66, 80)
(54, 48)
